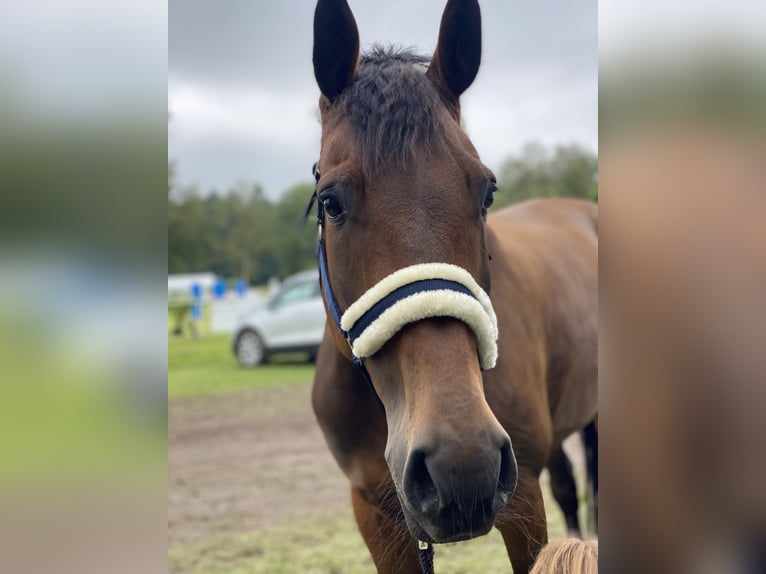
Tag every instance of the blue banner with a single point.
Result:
(219, 289)
(196, 291)
(241, 287)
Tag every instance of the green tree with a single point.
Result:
(188, 243)
(537, 171)
(239, 233)
(294, 236)
(239, 229)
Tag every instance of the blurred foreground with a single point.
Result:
(82, 295)
(683, 277)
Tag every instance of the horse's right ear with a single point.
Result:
(458, 51)
(336, 46)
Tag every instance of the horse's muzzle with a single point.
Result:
(448, 498)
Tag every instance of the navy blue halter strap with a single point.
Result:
(324, 275)
(403, 292)
(327, 292)
(329, 295)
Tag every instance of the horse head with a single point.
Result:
(403, 198)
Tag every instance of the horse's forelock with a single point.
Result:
(392, 107)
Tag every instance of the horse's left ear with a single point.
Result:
(336, 46)
(458, 51)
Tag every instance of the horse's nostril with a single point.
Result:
(508, 471)
(458, 492)
(418, 483)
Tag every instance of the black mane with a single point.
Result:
(392, 106)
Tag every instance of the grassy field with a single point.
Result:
(207, 365)
(328, 545)
(331, 545)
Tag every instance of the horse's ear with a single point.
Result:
(458, 51)
(336, 46)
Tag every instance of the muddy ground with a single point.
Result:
(244, 461)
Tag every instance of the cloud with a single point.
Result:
(247, 113)
(531, 106)
(241, 80)
(242, 134)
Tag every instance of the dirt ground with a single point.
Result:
(243, 461)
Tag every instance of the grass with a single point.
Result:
(208, 366)
(330, 545)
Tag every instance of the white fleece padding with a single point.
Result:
(476, 313)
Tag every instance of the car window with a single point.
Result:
(297, 292)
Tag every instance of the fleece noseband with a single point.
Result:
(415, 293)
(406, 296)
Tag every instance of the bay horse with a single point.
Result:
(440, 398)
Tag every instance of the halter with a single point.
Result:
(406, 296)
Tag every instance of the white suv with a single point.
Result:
(293, 320)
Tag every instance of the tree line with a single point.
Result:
(243, 233)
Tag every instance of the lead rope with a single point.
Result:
(426, 557)
(425, 549)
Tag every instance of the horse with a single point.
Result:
(460, 347)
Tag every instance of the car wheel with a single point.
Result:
(250, 349)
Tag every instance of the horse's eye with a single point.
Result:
(332, 207)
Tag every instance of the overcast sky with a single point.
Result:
(243, 99)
